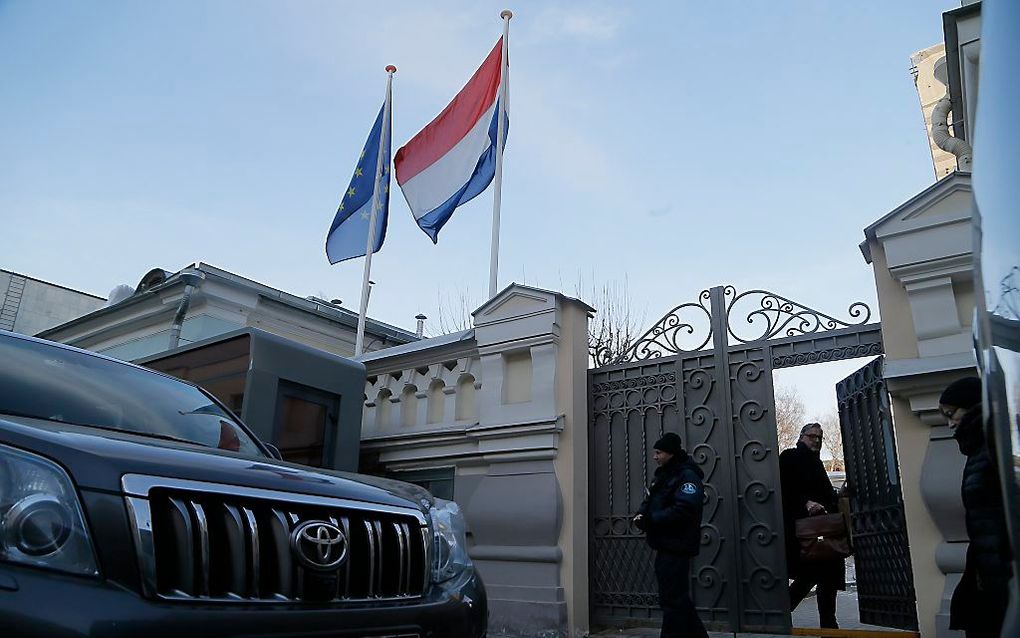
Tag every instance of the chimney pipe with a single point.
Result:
(421, 324)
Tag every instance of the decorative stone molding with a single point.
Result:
(501, 404)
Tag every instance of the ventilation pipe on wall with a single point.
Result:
(940, 134)
(192, 280)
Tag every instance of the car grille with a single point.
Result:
(204, 541)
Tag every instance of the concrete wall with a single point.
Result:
(921, 256)
(29, 306)
(505, 406)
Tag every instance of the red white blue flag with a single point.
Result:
(453, 159)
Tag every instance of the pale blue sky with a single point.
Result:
(678, 145)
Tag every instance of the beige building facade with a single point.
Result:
(928, 68)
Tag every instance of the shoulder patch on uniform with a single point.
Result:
(689, 488)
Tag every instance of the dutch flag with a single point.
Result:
(453, 159)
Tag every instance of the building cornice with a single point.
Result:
(165, 291)
(961, 265)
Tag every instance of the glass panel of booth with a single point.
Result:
(305, 427)
(220, 368)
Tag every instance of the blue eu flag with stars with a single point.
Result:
(348, 235)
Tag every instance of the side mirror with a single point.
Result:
(273, 451)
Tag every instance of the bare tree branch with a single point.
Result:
(453, 313)
(611, 332)
(615, 326)
(789, 416)
(833, 441)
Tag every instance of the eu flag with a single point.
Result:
(348, 236)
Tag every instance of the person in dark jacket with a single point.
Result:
(980, 599)
(808, 492)
(671, 518)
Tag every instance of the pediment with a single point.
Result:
(948, 201)
(515, 301)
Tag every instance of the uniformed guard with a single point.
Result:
(671, 518)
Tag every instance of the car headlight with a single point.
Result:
(41, 522)
(449, 556)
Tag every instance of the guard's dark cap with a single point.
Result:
(670, 443)
(963, 393)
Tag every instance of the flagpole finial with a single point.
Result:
(390, 68)
(506, 14)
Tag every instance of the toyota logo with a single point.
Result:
(319, 545)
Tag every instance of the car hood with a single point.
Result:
(97, 458)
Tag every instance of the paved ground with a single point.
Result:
(806, 615)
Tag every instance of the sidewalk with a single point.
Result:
(806, 615)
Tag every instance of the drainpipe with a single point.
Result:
(192, 280)
(940, 134)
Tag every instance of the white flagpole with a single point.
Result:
(500, 138)
(359, 345)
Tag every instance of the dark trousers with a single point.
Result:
(826, 596)
(679, 617)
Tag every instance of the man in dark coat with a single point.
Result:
(808, 492)
(671, 518)
(980, 599)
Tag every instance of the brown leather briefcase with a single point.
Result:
(822, 537)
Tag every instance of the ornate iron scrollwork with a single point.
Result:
(774, 315)
(824, 356)
(676, 332)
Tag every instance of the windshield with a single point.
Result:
(47, 382)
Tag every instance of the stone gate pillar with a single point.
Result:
(529, 501)
(921, 256)
(501, 408)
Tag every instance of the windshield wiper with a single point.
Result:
(210, 409)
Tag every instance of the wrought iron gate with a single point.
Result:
(885, 586)
(704, 371)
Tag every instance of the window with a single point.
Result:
(306, 421)
(220, 368)
(438, 481)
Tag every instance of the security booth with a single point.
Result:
(306, 402)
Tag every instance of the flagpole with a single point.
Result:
(500, 138)
(359, 344)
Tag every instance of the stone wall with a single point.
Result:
(502, 407)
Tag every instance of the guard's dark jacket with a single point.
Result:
(803, 479)
(672, 511)
(979, 601)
